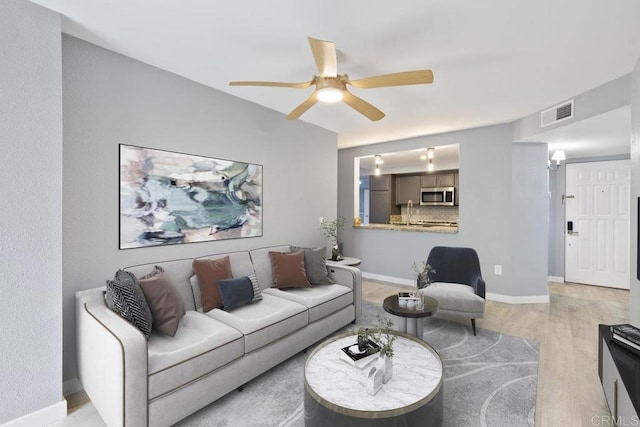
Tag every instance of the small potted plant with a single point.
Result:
(384, 339)
(424, 273)
(330, 230)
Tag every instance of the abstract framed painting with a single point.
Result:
(169, 198)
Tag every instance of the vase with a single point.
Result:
(422, 281)
(386, 365)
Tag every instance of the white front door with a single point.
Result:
(597, 209)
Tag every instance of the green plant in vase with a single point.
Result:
(331, 230)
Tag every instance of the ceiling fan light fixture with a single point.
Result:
(329, 94)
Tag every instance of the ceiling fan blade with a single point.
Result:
(362, 106)
(394, 79)
(302, 108)
(324, 53)
(276, 84)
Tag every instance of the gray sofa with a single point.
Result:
(135, 382)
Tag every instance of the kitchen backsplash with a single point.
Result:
(431, 213)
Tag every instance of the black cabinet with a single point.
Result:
(619, 370)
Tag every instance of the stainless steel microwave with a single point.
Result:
(440, 196)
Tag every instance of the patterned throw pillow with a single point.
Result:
(235, 292)
(257, 292)
(125, 297)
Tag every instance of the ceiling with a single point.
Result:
(444, 157)
(494, 61)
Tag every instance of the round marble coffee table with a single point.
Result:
(409, 320)
(335, 393)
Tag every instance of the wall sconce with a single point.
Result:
(558, 156)
(430, 157)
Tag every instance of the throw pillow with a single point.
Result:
(288, 270)
(257, 292)
(125, 297)
(209, 271)
(163, 298)
(315, 264)
(235, 292)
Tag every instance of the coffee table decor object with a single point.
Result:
(337, 394)
(361, 353)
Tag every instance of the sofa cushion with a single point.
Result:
(288, 270)
(164, 301)
(321, 300)
(178, 273)
(315, 265)
(262, 264)
(265, 321)
(456, 298)
(209, 272)
(235, 292)
(240, 266)
(201, 344)
(125, 297)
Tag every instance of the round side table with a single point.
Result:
(409, 320)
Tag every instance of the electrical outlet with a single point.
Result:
(497, 269)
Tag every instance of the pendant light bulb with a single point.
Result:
(377, 172)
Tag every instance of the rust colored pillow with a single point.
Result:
(288, 270)
(209, 271)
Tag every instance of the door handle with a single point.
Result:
(573, 233)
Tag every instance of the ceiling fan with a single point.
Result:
(332, 87)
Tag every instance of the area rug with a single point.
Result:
(489, 380)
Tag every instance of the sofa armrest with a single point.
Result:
(112, 361)
(478, 286)
(351, 277)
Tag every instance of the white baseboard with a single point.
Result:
(42, 417)
(556, 279)
(389, 279)
(533, 299)
(71, 386)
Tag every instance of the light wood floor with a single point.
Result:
(569, 390)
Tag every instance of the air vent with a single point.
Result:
(557, 114)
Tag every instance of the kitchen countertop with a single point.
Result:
(420, 228)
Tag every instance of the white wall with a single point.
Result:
(634, 299)
(31, 211)
(111, 99)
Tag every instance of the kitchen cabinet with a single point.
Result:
(408, 188)
(619, 370)
(438, 180)
(382, 199)
(381, 182)
(428, 181)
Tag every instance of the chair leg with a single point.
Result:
(473, 325)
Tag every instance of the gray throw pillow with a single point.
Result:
(315, 265)
(125, 297)
(235, 292)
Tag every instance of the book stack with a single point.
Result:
(627, 335)
(359, 359)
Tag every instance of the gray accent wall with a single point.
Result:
(529, 219)
(609, 96)
(485, 210)
(634, 298)
(111, 99)
(31, 209)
